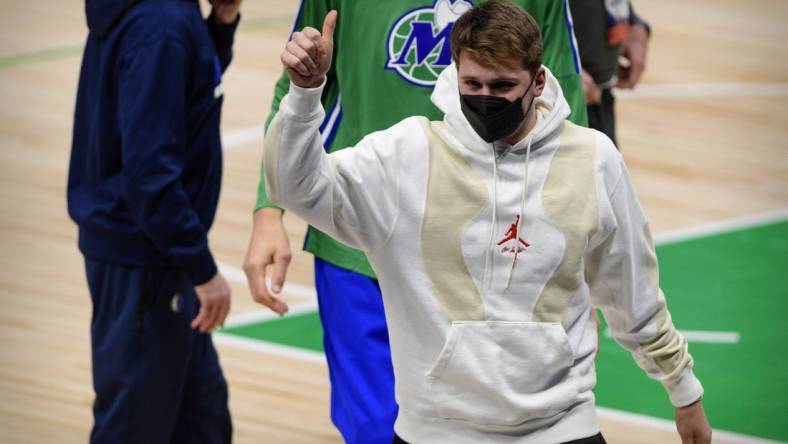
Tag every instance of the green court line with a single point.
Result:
(263, 23)
(730, 281)
(44, 55)
(301, 331)
(70, 51)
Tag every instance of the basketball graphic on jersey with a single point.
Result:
(418, 43)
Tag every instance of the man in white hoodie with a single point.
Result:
(492, 232)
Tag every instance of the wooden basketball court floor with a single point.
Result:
(705, 137)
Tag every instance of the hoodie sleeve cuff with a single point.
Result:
(305, 102)
(266, 203)
(685, 390)
(202, 270)
(223, 35)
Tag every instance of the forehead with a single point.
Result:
(469, 67)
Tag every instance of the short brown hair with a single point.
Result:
(496, 32)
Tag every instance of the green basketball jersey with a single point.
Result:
(387, 57)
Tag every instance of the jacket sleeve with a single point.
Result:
(623, 276)
(310, 13)
(223, 37)
(562, 57)
(151, 113)
(350, 194)
(280, 89)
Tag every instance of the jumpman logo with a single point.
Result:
(511, 237)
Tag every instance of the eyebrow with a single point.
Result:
(495, 80)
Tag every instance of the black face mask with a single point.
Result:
(492, 117)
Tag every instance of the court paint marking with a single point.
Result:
(235, 274)
(710, 337)
(264, 314)
(31, 57)
(720, 227)
(234, 139)
(664, 424)
(75, 50)
(268, 347)
(254, 135)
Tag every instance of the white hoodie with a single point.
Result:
(489, 315)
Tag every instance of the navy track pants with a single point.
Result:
(156, 380)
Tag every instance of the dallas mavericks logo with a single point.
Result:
(418, 43)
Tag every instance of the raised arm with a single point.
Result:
(351, 194)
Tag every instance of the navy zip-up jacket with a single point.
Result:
(146, 158)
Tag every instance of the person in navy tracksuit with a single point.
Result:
(143, 187)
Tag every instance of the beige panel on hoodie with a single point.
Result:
(271, 157)
(570, 201)
(455, 194)
(668, 348)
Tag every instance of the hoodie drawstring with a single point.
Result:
(490, 241)
(522, 208)
(492, 222)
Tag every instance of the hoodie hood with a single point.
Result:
(551, 109)
(102, 15)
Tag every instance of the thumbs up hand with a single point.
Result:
(307, 56)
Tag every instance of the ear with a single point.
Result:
(541, 81)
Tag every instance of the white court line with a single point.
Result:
(243, 136)
(269, 347)
(254, 135)
(264, 314)
(705, 89)
(235, 274)
(705, 230)
(710, 337)
(664, 424)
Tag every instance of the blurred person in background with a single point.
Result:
(143, 185)
(613, 41)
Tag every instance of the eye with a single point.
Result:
(473, 84)
(503, 86)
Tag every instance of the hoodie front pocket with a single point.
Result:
(503, 373)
